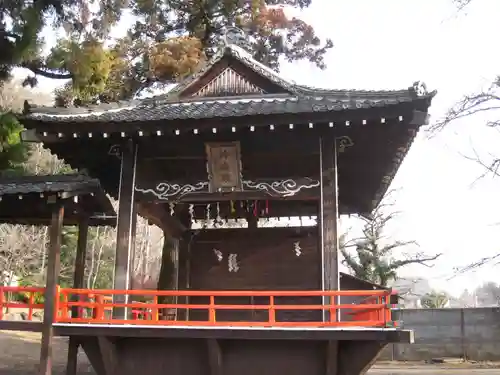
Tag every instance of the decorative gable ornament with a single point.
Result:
(237, 37)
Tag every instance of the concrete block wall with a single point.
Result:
(473, 333)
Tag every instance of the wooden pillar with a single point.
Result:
(50, 296)
(184, 264)
(132, 244)
(183, 272)
(81, 252)
(78, 282)
(329, 209)
(126, 212)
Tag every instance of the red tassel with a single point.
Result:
(255, 208)
(267, 207)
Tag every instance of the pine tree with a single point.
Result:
(171, 39)
(371, 256)
(13, 153)
(21, 23)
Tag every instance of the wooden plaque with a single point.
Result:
(224, 166)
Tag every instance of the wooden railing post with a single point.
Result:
(57, 300)
(1, 302)
(155, 310)
(334, 315)
(31, 302)
(272, 310)
(212, 317)
(99, 300)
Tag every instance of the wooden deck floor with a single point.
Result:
(302, 333)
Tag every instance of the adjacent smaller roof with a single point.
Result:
(28, 200)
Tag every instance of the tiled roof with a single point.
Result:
(39, 212)
(297, 99)
(160, 109)
(47, 184)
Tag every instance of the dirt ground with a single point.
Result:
(19, 354)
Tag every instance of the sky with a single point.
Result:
(389, 44)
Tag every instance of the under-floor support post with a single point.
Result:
(125, 227)
(102, 354)
(332, 362)
(108, 353)
(329, 216)
(51, 296)
(214, 356)
(356, 357)
(78, 282)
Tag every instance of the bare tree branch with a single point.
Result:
(39, 69)
(372, 258)
(486, 100)
(461, 4)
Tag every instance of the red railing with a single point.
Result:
(373, 314)
(304, 308)
(14, 299)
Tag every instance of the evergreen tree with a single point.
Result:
(21, 23)
(435, 300)
(373, 257)
(170, 39)
(13, 153)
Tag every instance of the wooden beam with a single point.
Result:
(78, 281)
(124, 233)
(329, 214)
(279, 188)
(53, 266)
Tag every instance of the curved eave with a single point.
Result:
(147, 128)
(207, 115)
(398, 159)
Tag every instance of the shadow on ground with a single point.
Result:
(19, 355)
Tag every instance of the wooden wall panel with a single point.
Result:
(266, 261)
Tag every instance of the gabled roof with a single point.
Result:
(242, 56)
(288, 98)
(383, 122)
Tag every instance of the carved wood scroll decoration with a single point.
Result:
(282, 188)
(343, 143)
(278, 189)
(224, 166)
(174, 192)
